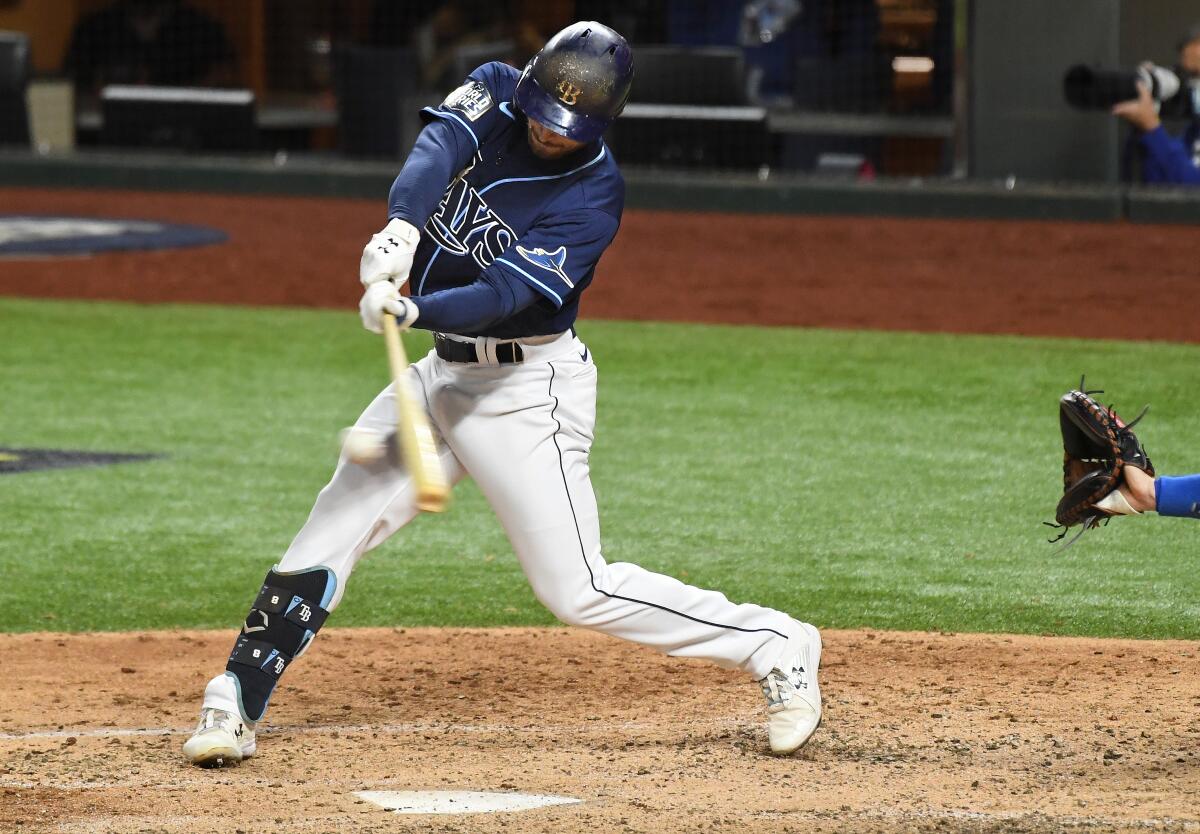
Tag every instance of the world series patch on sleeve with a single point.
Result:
(471, 99)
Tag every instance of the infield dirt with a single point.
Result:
(922, 732)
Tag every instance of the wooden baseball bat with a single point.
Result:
(417, 447)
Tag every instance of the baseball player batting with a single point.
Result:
(496, 222)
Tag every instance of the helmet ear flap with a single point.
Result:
(624, 99)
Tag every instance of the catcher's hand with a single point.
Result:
(1097, 446)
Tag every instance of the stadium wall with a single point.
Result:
(690, 192)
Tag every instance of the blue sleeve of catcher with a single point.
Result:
(1178, 496)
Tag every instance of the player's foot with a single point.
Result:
(793, 696)
(222, 737)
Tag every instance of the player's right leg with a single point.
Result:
(361, 506)
(527, 445)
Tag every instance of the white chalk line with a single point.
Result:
(390, 729)
(188, 774)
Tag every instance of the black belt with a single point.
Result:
(452, 350)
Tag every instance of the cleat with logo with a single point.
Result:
(793, 696)
(221, 738)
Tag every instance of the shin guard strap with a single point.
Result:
(260, 655)
(295, 609)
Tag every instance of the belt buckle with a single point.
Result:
(515, 354)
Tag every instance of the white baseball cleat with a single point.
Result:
(793, 696)
(221, 738)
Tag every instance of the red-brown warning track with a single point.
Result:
(1110, 280)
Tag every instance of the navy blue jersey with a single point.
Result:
(541, 222)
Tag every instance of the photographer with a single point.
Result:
(1165, 158)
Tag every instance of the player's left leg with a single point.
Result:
(361, 506)
(526, 444)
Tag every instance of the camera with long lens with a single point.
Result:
(1095, 88)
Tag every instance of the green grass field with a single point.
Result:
(853, 479)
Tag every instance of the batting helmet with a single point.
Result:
(579, 81)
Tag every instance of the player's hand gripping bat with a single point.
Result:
(417, 448)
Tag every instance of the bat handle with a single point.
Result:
(397, 358)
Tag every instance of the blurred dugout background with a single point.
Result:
(852, 89)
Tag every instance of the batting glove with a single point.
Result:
(383, 297)
(389, 254)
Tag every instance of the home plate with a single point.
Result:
(459, 802)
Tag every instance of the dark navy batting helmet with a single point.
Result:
(579, 81)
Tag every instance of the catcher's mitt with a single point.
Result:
(1097, 446)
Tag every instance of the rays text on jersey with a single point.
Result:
(463, 215)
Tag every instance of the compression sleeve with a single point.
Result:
(492, 298)
(439, 153)
(1171, 158)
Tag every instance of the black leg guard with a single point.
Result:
(288, 612)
